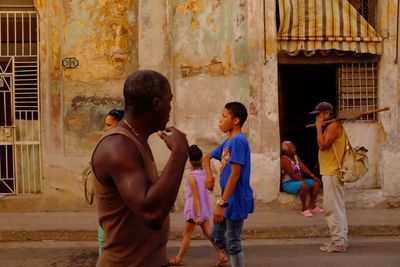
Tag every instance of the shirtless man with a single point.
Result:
(132, 200)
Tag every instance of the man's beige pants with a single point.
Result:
(335, 210)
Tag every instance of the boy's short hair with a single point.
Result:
(238, 110)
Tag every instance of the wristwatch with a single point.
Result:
(222, 203)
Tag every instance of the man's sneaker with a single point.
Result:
(329, 247)
(346, 244)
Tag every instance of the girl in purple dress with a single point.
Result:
(197, 209)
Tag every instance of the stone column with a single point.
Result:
(50, 76)
(154, 36)
(263, 100)
(389, 96)
(155, 53)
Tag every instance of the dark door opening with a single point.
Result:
(301, 88)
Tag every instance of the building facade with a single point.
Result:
(63, 65)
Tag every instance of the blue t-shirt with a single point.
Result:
(236, 150)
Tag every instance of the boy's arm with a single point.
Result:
(229, 188)
(210, 180)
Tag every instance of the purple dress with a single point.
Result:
(205, 207)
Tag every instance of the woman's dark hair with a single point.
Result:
(116, 113)
(195, 153)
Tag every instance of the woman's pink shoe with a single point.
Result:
(307, 213)
(317, 210)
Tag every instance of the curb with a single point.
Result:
(44, 235)
(260, 233)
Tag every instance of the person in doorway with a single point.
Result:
(237, 200)
(197, 210)
(111, 119)
(133, 202)
(332, 141)
(296, 178)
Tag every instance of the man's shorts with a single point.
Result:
(293, 187)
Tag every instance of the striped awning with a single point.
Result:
(310, 25)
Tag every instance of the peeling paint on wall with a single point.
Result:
(214, 52)
(220, 33)
(194, 8)
(84, 121)
(102, 36)
(215, 68)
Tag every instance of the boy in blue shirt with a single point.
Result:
(236, 201)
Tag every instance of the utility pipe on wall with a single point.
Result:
(397, 33)
(265, 35)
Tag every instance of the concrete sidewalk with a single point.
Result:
(82, 226)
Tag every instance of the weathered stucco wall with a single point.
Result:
(356, 132)
(103, 37)
(267, 168)
(389, 88)
(210, 60)
(212, 51)
(218, 57)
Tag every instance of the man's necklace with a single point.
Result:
(130, 127)
(148, 152)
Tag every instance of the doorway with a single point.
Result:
(20, 156)
(301, 88)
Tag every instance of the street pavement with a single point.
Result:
(297, 252)
(262, 224)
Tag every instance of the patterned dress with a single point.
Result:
(295, 165)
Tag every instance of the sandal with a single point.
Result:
(172, 261)
(220, 262)
(317, 210)
(307, 213)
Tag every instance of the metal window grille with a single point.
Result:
(19, 34)
(20, 155)
(358, 88)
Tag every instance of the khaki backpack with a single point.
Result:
(87, 175)
(354, 164)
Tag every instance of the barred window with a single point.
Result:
(357, 84)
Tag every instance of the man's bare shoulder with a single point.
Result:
(336, 128)
(115, 148)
